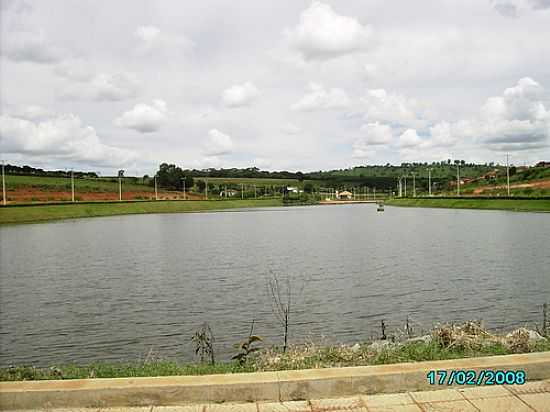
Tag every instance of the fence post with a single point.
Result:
(545, 319)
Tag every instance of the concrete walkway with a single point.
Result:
(532, 396)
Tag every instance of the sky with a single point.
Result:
(286, 85)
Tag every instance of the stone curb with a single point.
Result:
(250, 387)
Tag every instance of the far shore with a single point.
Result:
(517, 205)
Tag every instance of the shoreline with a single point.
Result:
(512, 205)
(28, 214)
(43, 213)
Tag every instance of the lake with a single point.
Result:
(111, 289)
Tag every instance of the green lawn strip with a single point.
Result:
(330, 356)
(42, 213)
(527, 205)
(81, 184)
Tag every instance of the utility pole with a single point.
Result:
(508, 173)
(374, 195)
(242, 191)
(206, 189)
(254, 192)
(184, 194)
(430, 181)
(405, 177)
(119, 188)
(400, 186)
(3, 184)
(72, 185)
(414, 184)
(458, 179)
(156, 192)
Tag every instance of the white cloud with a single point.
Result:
(290, 128)
(152, 39)
(373, 134)
(100, 87)
(29, 46)
(75, 69)
(409, 139)
(218, 144)
(144, 118)
(322, 33)
(33, 113)
(320, 99)
(379, 105)
(514, 8)
(62, 137)
(376, 133)
(517, 120)
(240, 95)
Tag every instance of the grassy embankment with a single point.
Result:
(445, 343)
(524, 205)
(85, 185)
(42, 213)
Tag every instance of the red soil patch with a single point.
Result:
(539, 184)
(25, 195)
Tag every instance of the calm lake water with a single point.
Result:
(109, 289)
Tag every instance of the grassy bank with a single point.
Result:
(43, 213)
(447, 342)
(526, 205)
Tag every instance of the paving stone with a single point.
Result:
(450, 406)
(354, 404)
(292, 406)
(232, 407)
(531, 387)
(396, 408)
(482, 392)
(539, 401)
(501, 404)
(438, 396)
(182, 408)
(376, 401)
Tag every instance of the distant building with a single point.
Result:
(292, 189)
(344, 195)
(543, 164)
(228, 193)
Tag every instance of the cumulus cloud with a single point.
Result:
(517, 120)
(320, 98)
(75, 69)
(372, 134)
(290, 128)
(514, 8)
(30, 46)
(151, 39)
(100, 87)
(322, 33)
(409, 139)
(144, 118)
(218, 144)
(62, 137)
(240, 95)
(376, 133)
(33, 113)
(379, 105)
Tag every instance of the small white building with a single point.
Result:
(228, 193)
(344, 195)
(292, 189)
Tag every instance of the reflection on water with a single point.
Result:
(112, 288)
